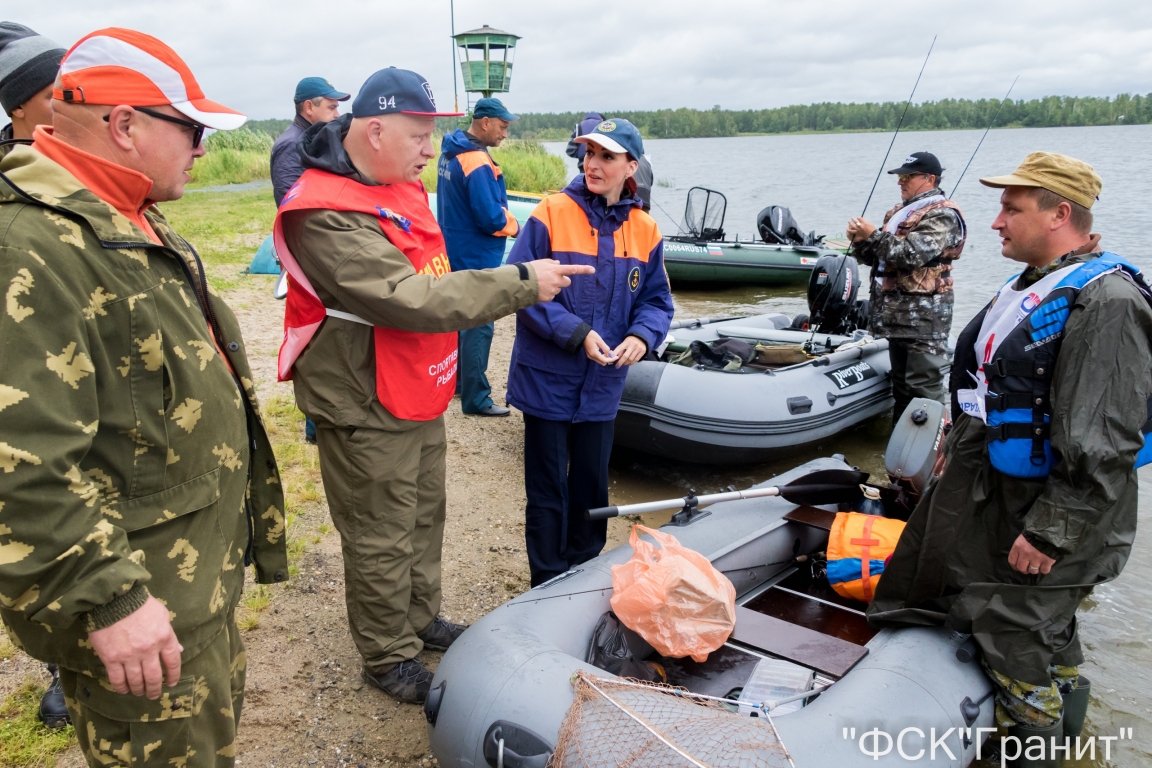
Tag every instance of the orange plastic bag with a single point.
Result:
(672, 597)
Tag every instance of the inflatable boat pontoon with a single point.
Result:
(510, 676)
(710, 416)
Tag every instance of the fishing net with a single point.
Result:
(618, 723)
(704, 213)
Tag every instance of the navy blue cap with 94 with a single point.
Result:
(394, 91)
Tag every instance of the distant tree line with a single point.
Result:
(947, 114)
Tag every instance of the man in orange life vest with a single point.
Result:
(370, 344)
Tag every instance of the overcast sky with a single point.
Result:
(644, 55)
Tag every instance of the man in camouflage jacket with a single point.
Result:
(911, 257)
(137, 482)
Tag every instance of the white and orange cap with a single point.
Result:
(121, 66)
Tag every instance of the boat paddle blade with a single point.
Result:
(825, 486)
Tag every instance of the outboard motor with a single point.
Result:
(832, 289)
(777, 227)
(910, 459)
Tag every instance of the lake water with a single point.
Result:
(825, 180)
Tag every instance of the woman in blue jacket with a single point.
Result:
(571, 356)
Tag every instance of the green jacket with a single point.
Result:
(951, 565)
(354, 268)
(132, 460)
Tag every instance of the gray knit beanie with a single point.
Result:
(28, 64)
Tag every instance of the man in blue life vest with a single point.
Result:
(1036, 504)
(472, 208)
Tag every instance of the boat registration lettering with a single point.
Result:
(684, 248)
(851, 375)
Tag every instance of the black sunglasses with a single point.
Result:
(197, 129)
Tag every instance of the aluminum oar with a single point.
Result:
(824, 486)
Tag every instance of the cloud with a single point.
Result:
(649, 55)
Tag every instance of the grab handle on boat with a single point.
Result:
(508, 745)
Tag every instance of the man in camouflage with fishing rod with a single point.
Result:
(911, 257)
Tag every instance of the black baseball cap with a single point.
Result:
(920, 162)
(394, 91)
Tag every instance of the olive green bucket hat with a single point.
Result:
(1066, 176)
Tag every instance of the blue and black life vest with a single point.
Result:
(1016, 406)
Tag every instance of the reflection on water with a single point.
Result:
(824, 179)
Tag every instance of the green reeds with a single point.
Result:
(233, 157)
(526, 165)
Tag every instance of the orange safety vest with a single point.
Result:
(415, 372)
(859, 547)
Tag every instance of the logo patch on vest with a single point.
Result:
(395, 218)
(634, 279)
(1027, 304)
(293, 192)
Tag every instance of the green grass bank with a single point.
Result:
(237, 157)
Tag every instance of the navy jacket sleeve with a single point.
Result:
(487, 199)
(286, 169)
(652, 312)
(549, 320)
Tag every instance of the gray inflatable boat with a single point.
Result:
(507, 683)
(710, 416)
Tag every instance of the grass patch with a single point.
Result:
(226, 228)
(299, 465)
(24, 741)
(526, 165)
(233, 157)
(7, 647)
(229, 166)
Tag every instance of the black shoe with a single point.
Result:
(408, 681)
(310, 439)
(441, 634)
(52, 711)
(492, 410)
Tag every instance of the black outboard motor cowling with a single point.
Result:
(832, 290)
(778, 227)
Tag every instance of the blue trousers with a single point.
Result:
(565, 474)
(472, 375)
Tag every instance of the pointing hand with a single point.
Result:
(551, 276)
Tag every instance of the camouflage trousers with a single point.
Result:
(191, 726)
(1020, 703)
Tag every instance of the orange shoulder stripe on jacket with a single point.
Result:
(568, 227)
(470, 161)
(638, 236)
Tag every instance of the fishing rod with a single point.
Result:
(679, 228)
(824, 486)
(982, 138)
(898, 124)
